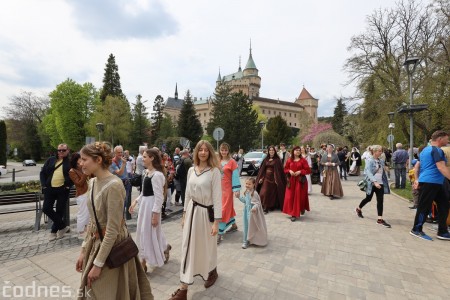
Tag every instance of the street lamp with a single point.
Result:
(410, 65)
(100, 128)
(261, 124)
(391, 126)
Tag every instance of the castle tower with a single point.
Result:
(251, 76)
(309, 103)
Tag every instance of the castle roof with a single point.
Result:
(304, 95)
(237, 75)
(276, 101)
(174, 103)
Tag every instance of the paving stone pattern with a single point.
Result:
(329, 253)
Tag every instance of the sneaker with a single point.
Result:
(359, 213)
(245, 245)
(383, 222)
(444, 236)
(60, 233)
(420, 234)
(52, 236)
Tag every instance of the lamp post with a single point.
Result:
(391, 126)
(100, 128)
(410, 64)
(261, 124)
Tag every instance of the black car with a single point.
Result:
(28, 162)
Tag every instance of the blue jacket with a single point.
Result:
(370, 170)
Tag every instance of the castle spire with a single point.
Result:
(250, 62)
(176, 90)
(240, 69)
(219, 78)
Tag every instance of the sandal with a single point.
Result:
(219, 239)
(233, 228)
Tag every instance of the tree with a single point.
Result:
(234, 113)
(167, 128)
(277, 131)
(116, 116)
(189, 125)
(158, 108)
(330, 137)
(111, 80)
(314, 130)
(71, 107)
(140, 124)
(25, 114)
(3, 141)
(340, 111)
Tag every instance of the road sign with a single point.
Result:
(218, 134)
(390, 138)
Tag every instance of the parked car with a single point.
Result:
(3, 170)
(254, 159)
(28, 162)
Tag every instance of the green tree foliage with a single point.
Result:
(340, 111)
(167, 128)
(189, 125)
(71, 106)
(170, 143)
(234, 113)
(111, 80)
(116, 116)
(409, 28)
(25, 114)
(330, 137)
(157, 118)
(277, 131)
(140, 124)
(3, 141)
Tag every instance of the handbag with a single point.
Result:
(362, 185)
(121, 252)
(136, 180)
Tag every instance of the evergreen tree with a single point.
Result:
(220, 109)
(340, 111)
(111, 80)
(158, 108)
(189, 125)
(167, 128)
(277, 131)
(141, 124)
(3, 143)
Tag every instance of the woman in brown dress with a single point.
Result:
(271, 181)
(106, 191)
(331, 185)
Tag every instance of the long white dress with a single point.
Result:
(199, 247)
(150, 240)
(308, 177)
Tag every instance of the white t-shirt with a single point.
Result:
(130, 163)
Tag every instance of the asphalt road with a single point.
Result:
(22, 173)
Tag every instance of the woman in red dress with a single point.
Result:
(296, 197)
(271, 181)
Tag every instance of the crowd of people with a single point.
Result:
(206, 184)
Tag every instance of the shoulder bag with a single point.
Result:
(121, 252)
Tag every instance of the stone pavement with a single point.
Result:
(328, 254)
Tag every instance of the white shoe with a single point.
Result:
(60, 233)
(52, 236)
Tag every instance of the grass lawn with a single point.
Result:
(405, 193)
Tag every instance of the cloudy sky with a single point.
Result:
(159, 43)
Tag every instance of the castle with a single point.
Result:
(248, 82)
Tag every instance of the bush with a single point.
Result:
(29, 186)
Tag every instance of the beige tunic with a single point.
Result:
(127, 281)
(257, 228)
(201, 257)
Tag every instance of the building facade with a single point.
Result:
(248, 82)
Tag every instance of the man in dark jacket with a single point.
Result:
(182, 170)
(56, 183)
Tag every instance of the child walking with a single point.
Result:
(255, 229)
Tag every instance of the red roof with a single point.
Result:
(304, 94)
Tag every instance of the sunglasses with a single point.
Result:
(62, 150)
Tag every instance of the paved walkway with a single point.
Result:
(328, 254)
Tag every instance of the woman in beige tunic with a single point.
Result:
(201, 217)
(98, 281)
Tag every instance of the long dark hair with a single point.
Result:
(274, 150)
(74, 160)
(157, 160)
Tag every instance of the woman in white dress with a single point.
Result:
(305, 155)
(150, 239)
(201, 217)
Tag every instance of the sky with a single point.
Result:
(157, 44)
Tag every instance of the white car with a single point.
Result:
(3, 170)
(255, 157)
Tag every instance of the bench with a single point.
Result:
(23, 198)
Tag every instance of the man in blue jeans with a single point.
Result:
(399, 159)
(430, 181)
(118, 168)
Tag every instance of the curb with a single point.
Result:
(397, 195)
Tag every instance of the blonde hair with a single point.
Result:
(212, 161)
(225, 146)
(252, 180)
(374, 148)
(99, 149)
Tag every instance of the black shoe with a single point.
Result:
(303, 212)
(332, 197)
(413, 207)
(266, 211)
(293, 219)
(359, 213)
(383, 222)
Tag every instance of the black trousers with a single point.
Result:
(380, 199)
(429, 192)
(61, 196)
